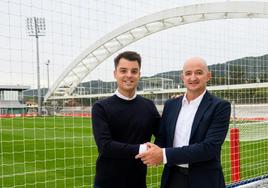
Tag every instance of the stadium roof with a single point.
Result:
(14, 87)
(12, 104)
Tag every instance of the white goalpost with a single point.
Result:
(49, 143)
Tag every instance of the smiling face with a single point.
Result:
(195, 76)
(127, 74)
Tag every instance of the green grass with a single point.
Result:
(61, 152)
(46, 152)
(253, 159)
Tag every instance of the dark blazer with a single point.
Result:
(208, 132)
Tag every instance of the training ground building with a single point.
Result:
(11, 99)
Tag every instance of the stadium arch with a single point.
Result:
(142, 27)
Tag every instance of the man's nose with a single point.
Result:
(129, 74)
(193, 77)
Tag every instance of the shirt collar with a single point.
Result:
(118, 94)
(196, 101)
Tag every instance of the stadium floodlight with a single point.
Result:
(47, 64)
(36, 27)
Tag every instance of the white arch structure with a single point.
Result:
(99, 51)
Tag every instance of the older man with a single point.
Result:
(193, 129)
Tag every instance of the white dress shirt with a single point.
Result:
(143, 147)
(184, 124)
(118, 94)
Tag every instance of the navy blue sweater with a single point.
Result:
(119, 127)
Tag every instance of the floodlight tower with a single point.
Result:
(47, 64)
(36, 27)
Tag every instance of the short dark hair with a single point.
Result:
(129, 55)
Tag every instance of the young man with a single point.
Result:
(121, 124)
(193, 129)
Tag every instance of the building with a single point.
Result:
(153, 85)
(157, 83)
(11, 98)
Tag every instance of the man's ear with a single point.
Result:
(181, 76)
(114, 73)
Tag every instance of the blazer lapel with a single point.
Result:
(177, 107)
(200, 112)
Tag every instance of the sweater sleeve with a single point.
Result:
(156, 124)
(108, 147)
(161, 136)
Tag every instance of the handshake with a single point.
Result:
(153, 156)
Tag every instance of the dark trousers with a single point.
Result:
(178, 178)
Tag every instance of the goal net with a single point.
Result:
(46, 48)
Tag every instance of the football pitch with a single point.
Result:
(61, 152)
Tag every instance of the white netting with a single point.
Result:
(57, 149)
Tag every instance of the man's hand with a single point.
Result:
(176, 96)
(153, 156)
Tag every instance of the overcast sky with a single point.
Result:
(72, 25)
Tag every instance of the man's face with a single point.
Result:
(127, 74)
(195, 76)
